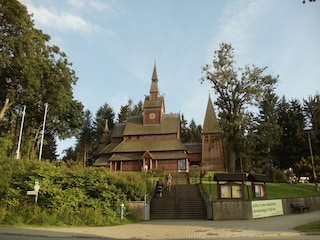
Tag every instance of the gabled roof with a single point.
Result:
(193, 147)
(118, 130)
(210, 124)
(102, 160)
(125, 156)
(153, 103)
(169, 125)
(230, 177)
(257, 177)
(151, 145)
(104, 149)
(139, 156)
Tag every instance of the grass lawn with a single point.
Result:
(309, 227)
(274, 190)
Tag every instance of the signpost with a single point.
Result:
(35, 192)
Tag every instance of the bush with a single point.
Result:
(67, 196)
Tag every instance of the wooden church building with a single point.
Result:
(153, 140)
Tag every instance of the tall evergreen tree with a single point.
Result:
(85, 141)
(137, 109)
(268, 130)
(184, 129)
(104, 113)
(125, 111)
(311, 108)
(292, 138)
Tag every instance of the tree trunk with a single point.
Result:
(231, 167)
(6, 106)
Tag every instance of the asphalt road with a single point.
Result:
(18, 237)
(278, 227)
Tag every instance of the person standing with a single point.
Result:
(169, 180)
(159, 188)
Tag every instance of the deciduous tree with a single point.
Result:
(32, 73)
(236, 89)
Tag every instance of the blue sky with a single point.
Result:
(113, 45)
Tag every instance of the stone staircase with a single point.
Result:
(182, 202)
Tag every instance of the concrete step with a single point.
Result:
(189, 205)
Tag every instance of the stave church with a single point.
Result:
(153, 140)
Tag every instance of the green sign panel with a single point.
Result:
(266, 208)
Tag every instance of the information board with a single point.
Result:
(266, 208)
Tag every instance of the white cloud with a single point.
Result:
(63, 21)
(95, 5)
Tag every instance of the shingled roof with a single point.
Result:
(155, 155)
(169, 124)
(230, 177)
(210, 124)
(193, 147)
(154, 103)
(151, 145)
(257, 177)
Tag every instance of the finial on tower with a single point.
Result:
(154, 74)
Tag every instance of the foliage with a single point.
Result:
(194, 173)
(68, 196)
(303, 168)
(237, 88)
(275, 174)
(190, 132)
(103, 123)
(32, 73)
(85, 141)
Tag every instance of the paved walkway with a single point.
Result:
(180, 229)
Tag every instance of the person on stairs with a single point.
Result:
(169, 180)
(159, 188)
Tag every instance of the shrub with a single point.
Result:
(67, 196)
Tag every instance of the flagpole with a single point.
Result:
(44, 124)
(20, 134)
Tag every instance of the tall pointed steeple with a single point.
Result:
(212, 151)
(153, 107)
(210, 124)
(154, 89)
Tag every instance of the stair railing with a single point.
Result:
(177, 191)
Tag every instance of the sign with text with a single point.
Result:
(266, 208)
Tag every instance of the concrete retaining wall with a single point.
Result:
(231, 210)
(137, 209)
(241, 210)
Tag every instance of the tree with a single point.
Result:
(184, 129)
(237, 89)
(84, 147)
(293, 141)
(104, 113)
(268, 130)
(32, 73)
(125, 111)
(311, 109)
(137, 109)
(69, 154)
(130, 110)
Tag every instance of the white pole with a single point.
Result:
(44, 124)
(21, 128)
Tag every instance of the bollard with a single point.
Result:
(122, 208)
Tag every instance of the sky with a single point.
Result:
(114, 44)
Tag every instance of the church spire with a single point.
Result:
(210, 124)
(154, 89)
